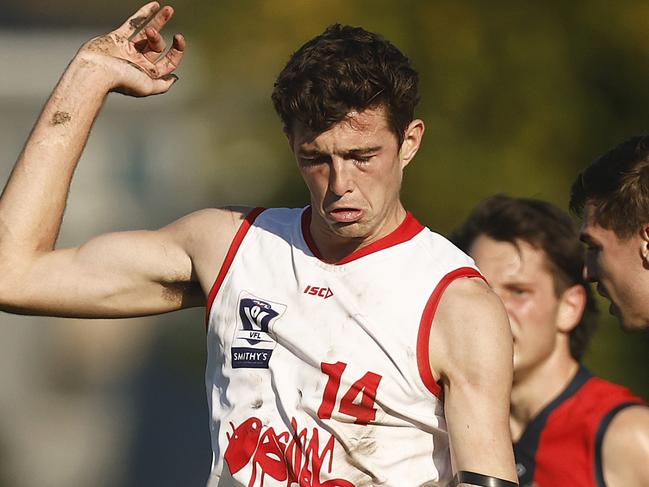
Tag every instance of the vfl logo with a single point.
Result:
(252, 345)
(321, 292)
(256, 316)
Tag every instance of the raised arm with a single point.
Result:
(123, 274)
(471, 352)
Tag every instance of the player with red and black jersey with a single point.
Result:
(569, 427)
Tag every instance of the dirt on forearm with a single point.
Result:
(60, 117)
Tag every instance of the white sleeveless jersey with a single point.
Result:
(318, 374)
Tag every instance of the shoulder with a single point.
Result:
(469, 327)
(443, 250)
(218, 227)
(604, 396)
(468, 303)
(473, 288)
(227, 215)
(625, 448)
(205, 236)
(212, 223)
(631, 424)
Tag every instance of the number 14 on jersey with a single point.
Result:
(363, 410)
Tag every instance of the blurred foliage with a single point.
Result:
(517, 97)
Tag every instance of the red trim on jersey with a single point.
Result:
(229, 257)
(426, 323)
(408, 228)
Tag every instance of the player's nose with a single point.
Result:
(340, 179)
(507, 304)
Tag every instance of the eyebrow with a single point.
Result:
(518, 282)
(309, 153)
(360, 151)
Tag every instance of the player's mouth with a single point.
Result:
(345, 215)
(612, 309)
(602, 292)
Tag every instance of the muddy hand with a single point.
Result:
(134, 54)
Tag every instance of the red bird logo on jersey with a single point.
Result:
(321, 292)
(298, 456)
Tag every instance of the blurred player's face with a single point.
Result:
(354, 172)
(620, 271)
(525, 285)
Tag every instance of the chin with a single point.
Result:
(348, 230)
(518, 370)
(637, 324)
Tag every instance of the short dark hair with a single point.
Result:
(544, 227)
(617, 185)
(343, 69)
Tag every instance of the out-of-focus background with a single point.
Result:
(516, 98)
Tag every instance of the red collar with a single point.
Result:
(408, 228)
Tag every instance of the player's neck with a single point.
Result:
(334, 247)
(534, 389)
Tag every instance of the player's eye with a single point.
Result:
(519, 291)
(313, 161)
(360, 160)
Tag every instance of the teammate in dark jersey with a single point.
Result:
(569, 427)
(612, 195)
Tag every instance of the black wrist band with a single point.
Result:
(478, 479)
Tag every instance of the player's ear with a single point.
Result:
(411, 141)
(572, 304)
(644, 241)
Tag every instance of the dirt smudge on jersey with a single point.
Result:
(365, 444)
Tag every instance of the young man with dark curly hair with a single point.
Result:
(347, 343)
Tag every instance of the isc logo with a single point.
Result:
(321, 292)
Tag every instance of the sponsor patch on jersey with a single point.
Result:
(252, 344)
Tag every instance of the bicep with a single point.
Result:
(471, 351)
(113, 275)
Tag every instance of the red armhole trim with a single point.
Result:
(229, 257)
(423, 336)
